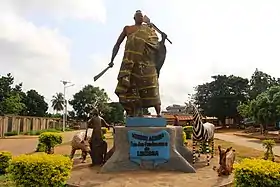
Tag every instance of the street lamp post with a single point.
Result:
(65, 103)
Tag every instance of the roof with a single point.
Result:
(180, 117)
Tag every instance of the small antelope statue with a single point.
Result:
(227, 158)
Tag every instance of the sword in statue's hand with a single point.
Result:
(104, 71)
(148, 21)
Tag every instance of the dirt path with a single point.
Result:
(19, 146)
(248, 142)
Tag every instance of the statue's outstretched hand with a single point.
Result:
(111, 64)
(163, 36)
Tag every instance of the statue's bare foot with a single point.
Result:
(159, 116)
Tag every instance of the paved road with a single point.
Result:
(27, 145)
(247, 142)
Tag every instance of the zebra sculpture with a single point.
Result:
(202, 133)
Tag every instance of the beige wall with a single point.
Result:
(22, 124)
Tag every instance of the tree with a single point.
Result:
(221, 97)
(12, 104)
(71, 115)
(115, 114)
(244, 110)
(35, 104)
(260, 82)
(88, 98)
(58, 102)
(146, 111)
(10, 97)
(265, 109)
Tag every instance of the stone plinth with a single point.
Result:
(180, 147)
(145, 122)
(120, 161)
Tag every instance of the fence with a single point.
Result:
(22, 124)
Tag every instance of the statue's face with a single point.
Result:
(138, 17)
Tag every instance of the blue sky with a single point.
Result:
(43, 42)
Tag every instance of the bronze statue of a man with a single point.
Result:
(97, 145)
(144, 55)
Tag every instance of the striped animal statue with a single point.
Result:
(203, 134)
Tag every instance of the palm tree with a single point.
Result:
(58, 102)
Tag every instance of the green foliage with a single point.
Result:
(188, 130)
(256, 173)
(266, 107)
(40, 170)
(268, 145)
(221, 97)
(5, 158)
(10, 97)
(146, 111)
(35, 133)
(13, 133)
(38, 132)
(87, 99)
(35, 104)
(49, 140)
(5, 180)
(115, 114)
(244, 110)
(14, 101)
(12, 104)
(58, 102)
(104, 131)
(57, 115)
(41, 147)
(260, 82)
(184, 137)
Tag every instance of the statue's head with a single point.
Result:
(94, 112)
(138, 17)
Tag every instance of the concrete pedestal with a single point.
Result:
(181, 148)
(179, 156)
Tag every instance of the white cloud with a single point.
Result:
(62, 9)
(40, 56)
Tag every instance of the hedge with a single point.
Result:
(48, 140)
(5, 158)
(257, 173)
(185, 137)
(188, 130)
(104, 130)
(40, 169)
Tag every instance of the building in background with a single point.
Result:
(175, 109)
(182, 115)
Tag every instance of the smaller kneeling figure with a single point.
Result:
(227, 158)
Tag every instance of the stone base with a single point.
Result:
(120, 161)
(181, 148)
(145, 122)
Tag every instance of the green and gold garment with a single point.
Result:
(138, 78)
